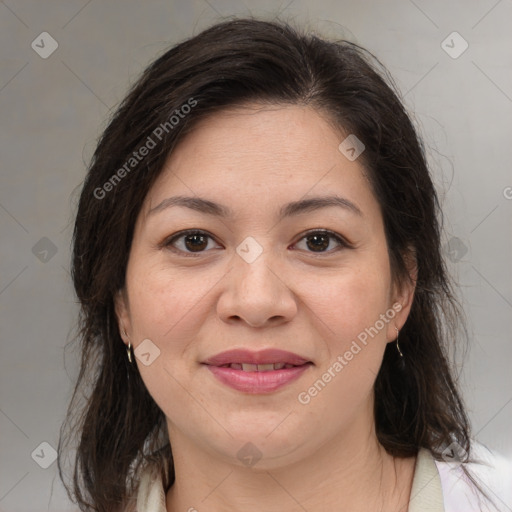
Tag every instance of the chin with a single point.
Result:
(263, 446)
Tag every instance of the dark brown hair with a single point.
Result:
(117, 423)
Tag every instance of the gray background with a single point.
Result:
(53, 109)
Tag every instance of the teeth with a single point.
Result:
(248, 367)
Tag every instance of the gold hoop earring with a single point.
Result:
(397, 345)
(129, 347)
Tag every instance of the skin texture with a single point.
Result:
(319, 455)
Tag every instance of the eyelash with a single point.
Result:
(343, 243)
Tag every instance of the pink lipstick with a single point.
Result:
(259, 372)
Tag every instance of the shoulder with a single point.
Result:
(492, 472)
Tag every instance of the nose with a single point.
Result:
(256, 294)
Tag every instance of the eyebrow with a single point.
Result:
(294, 208)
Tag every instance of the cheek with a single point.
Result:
(355, 339)
(169, 310)
(164, 305)
(348, 302)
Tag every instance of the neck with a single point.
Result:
(352, 472)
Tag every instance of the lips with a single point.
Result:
(256, 361)
(257, 372)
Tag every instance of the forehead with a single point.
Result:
(265, 154)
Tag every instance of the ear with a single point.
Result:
(123, 315)
(403, 294)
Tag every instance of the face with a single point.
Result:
(271, 266)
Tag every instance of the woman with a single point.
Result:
(265, 308)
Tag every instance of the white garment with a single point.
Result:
(494, 477)
(437, 486)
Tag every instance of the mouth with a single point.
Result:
(257, 372)
(257, 361)
(249, 367)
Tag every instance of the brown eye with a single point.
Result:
(195, 242)
(321, 242)
(189, 242)
(318, 242)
